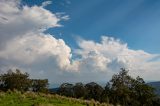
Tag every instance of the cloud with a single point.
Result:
(46, 3)
(18, 20)
(24, 45)
(41, 55)
(111, 54)
(33, 47)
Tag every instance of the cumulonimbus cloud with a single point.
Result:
(16, 20)
(24, 45)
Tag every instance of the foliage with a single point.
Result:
(128, 91)
(39, 85)
(21, 82)
(15, 80)
(79, 90)
(121, 89)
(89, 91)
(66, 89)
(93, 91)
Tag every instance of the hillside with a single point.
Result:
(39, 99)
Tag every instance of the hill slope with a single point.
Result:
(40, 99)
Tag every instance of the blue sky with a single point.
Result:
(136, 22)
(99, 38)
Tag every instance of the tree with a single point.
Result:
(66, 89)
(128, 91)
(120, 87)
(106, 94)
(93, 91)
(79, 90)
(15, 80)
(143, 92)
(39, 85)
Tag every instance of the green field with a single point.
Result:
(39, 99)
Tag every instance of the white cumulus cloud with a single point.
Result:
(24, 45)
(44, 4)
(16, 20)
(111, 54)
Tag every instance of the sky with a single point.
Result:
(80, 40)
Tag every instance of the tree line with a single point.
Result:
(121, 89)
(16, 80)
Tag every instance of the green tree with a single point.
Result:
(15, 80)
(93, 91)
(79, 90)
(143, 92)
(128, 91)
(66, 89)
(106, 94)
(120, 87)
(39, 85)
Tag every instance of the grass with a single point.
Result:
(16, 98)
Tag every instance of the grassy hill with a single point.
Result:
(39, 99)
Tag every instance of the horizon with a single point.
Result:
(80, 41)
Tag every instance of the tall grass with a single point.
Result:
(16, 98)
